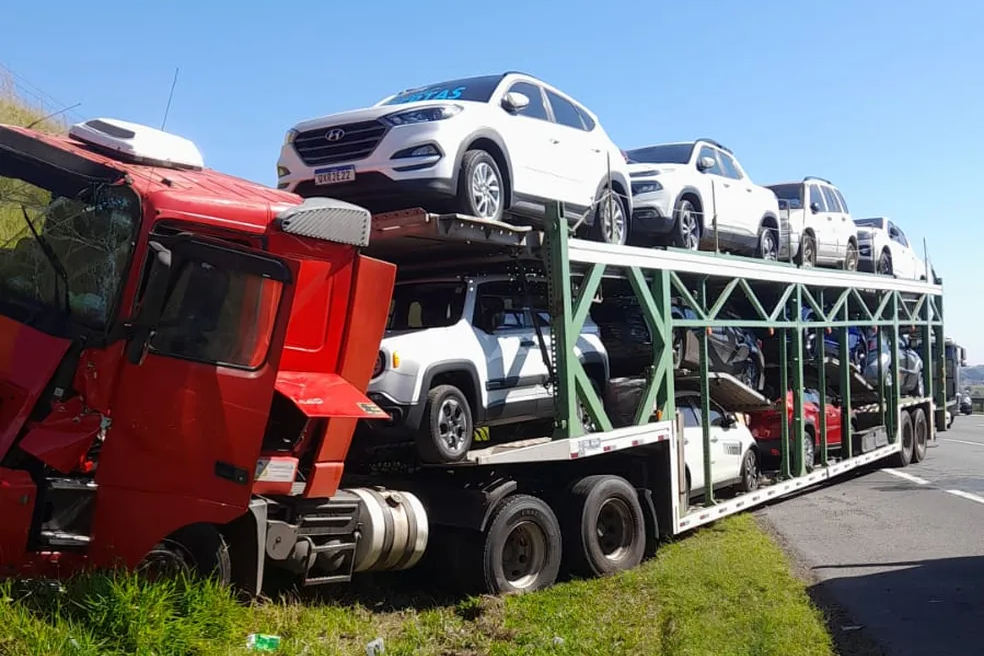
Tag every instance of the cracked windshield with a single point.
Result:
(60, 254)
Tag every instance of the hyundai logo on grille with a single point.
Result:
(335, 134)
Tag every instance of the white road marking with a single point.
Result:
(950, 439)
(908, 477)
(966, 495)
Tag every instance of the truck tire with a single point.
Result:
(197, 551)
(604, 527)
(521, 546)
(446, 432)
(904, 457)
(686, 228)
(920, 435)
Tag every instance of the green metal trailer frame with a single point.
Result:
(707, 282)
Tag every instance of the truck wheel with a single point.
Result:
(522, 546)
(851, 257)
(904, 457)
(920, 435)
(604, 527)
(884, 264)
(195, 551)
(446, 432)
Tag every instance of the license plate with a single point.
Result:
(334, 175)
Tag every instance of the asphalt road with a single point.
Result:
(901, 551)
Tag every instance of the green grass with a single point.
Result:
(725, 591)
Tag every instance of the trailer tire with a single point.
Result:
(604, 527)
(447, 415)
(903, 457)
(521, 546)
(198, 551)
(920, 435)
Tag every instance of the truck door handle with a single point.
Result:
(748, 189)
(725, 184)
(527, 342)
(554, 141)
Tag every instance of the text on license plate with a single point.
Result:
(334, 175)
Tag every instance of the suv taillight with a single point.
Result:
(380, 364)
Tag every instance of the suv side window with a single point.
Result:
(586, 120)
(498, 307)
(840, 198)
(728, 165)
(564, 111)
(686, 406)
(536, 108)
(817, 197)
(832, 205)
(896, 234)
(707, 151)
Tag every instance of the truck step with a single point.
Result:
(72, 484)
(64, 539)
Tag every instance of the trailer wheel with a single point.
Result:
(522, 546)
(194, 551)
(604, 527)
(904, 457)
(920, 435)
(447, 430)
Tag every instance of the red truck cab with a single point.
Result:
(183, 354)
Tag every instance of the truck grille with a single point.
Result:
(357, 141)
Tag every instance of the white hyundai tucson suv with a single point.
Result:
(494, 146)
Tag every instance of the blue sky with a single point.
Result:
(884, 98)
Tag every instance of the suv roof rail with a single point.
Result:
(716, 143)
(815, 177)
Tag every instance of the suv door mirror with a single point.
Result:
(815, 207)
(515, 101)
(705, 163)
(151, 305)
(728, 420)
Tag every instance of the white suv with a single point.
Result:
(486, 146)
(820, 231)
(886, 250)
(678, 189)
(461, 353)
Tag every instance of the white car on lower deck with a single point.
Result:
(461, 353)
(817, 223)
(734, 451)
(492, 146)
(886, 250)
(680, 189)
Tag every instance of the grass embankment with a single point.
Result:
(726, 590)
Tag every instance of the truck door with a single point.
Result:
(188, 421)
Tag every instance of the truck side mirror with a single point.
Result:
(151, 305)
(815, 207)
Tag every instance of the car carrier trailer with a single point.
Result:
(290, 502)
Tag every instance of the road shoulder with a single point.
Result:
(850, 638)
